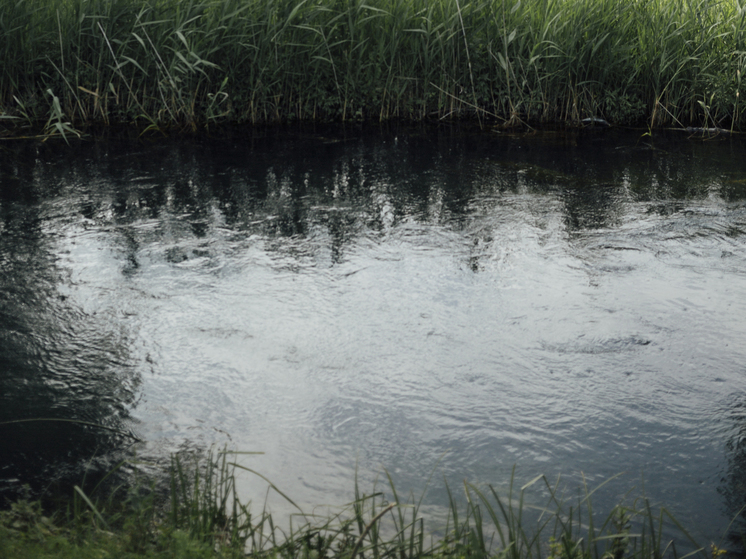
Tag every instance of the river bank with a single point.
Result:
(201, 515)
(161, 64)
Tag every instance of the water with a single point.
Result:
(569, 304)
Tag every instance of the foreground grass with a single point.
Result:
(195, 63)
(26, 534)
(204, 518)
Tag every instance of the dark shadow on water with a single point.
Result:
(60, 366)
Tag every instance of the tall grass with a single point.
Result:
(195, 63)
(480, 522)
(205, 517)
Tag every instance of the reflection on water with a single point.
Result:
(572, 304)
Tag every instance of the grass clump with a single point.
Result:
(198, 63)
(204, 518)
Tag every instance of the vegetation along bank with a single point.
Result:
(201, 516)
(189, 64)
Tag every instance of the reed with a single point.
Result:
(199, 63)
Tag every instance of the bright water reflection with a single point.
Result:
(564, 303)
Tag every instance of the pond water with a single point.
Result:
(570, 304)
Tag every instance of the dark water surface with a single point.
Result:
(570, 304)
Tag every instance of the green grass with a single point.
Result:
(204, 517)
(192, 64)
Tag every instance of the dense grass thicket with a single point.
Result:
(202, 516)
(195, 63)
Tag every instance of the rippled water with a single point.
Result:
(571, 304)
